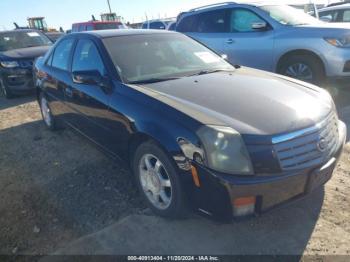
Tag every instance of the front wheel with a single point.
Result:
(158, 181)
(303, 67)
(48, 118)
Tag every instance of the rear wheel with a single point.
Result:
(303, 67)
(48, 118)
(158, 181)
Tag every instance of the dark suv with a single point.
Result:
(232, 141)
(18, 49)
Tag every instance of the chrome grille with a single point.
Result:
(308, 147)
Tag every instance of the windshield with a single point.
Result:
(141, 58)
(22, 39)
(288, 15)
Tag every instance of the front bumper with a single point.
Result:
(218, 191)
(18, 80)
(337, 63)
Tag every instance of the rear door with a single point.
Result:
(209, 28)
(245, 45)
(57, 77)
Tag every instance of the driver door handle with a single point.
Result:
(230, 41)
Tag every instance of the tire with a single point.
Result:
(308, 64)
(46, 114)
(5, 91)
(147, 181)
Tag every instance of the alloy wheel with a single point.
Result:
(300, 71)
(45, 110)
(155, 181)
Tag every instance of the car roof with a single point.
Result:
(335, 7)
(124, 32)
(244, 3)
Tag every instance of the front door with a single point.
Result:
(247, 44)
(89, 103)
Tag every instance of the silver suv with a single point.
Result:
(335, 14)
(276, 38)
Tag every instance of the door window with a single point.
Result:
(242, 20)
(75, 28)
(212, 22)
(89, 28)
(87, 58)
(82, 28)
(187, 24)
(346, 16)
(331, 16)
(157, 25)
(61, 54)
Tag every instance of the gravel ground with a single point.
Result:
(56, 187)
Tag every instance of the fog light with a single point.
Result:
(244, 206)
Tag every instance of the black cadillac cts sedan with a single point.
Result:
(197, 132)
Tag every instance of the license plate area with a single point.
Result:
(321, 176)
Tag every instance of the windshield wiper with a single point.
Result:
(153, 80)
(204, 72)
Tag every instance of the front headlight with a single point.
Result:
(225, 150)
(339, 41)
(9, 64)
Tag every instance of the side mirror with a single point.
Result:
(259, 26)
(326, 19)
(91, 77)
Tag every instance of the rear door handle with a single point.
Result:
(230, 41)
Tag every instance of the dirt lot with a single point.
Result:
(54, 187)
(57, 187)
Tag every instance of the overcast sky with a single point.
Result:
(65, 12)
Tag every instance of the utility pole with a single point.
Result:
(109, 6)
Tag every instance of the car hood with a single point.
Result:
(24, 53)
(251, 101)
(322, 28)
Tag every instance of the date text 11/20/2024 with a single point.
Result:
(173, 258)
